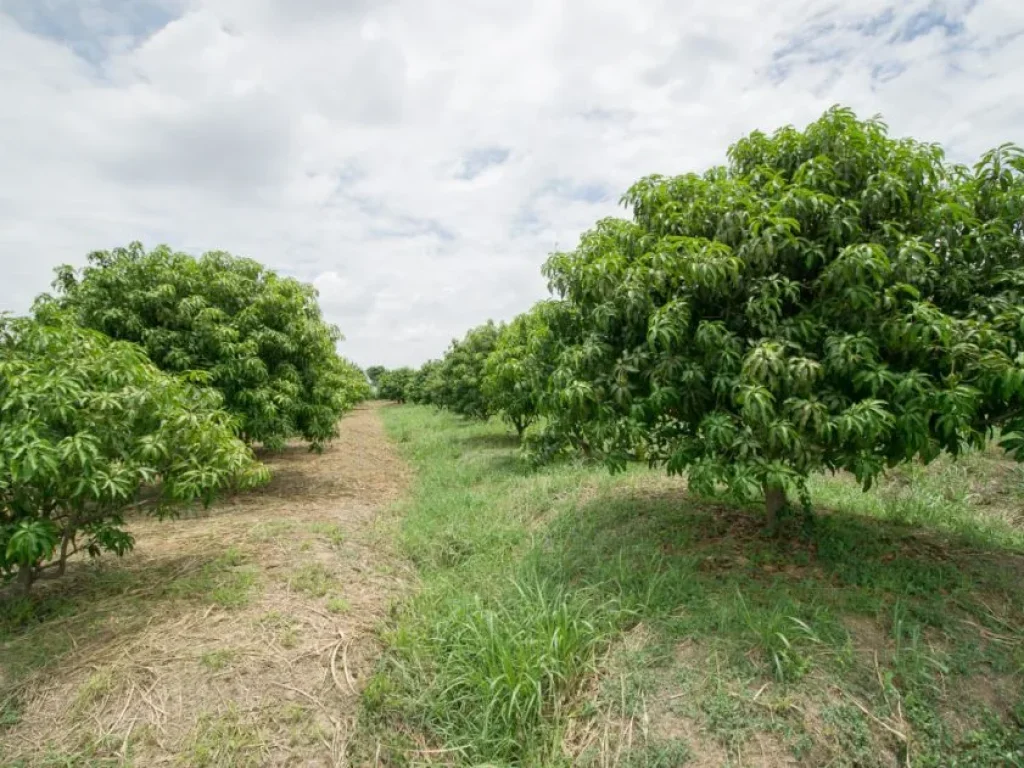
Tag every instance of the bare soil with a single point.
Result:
(236, 636)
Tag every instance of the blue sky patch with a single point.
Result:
(477, 161)
(587, 192)
(925, 22)
(87, 27)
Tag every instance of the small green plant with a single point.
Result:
(330, 531)
(338, 605)
(225, 739)
(218, 659)
(288, 637)
(225, 581)
(10, 711)
(94, 688)
(777, 636)
(312, 579)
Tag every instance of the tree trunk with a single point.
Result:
(520, 428)
(65, 540)
(25, 575)
(774, 502)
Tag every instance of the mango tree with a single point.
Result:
(260, 337)
(425, 383)
(393, 384)
(514, 376)
(833, 298)
(373, 373)
(353, 383)
(86, 424)
(461, 373)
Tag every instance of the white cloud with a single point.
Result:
(417, 161)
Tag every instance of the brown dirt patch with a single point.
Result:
(240, 636)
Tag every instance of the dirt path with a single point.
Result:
(235, 638)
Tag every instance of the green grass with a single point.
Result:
(226, 581)
(332, 532)
(218, 659)
(225, 739)
(312, 579)
(338, 605)
(898, 611)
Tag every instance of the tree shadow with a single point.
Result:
(508, 465)
(491, 440)
(656, 551)
(94, 603)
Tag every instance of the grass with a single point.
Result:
(332, 532)
(338, 605)
(226, 581)
(224, 739)
(312, 579)
(218, 659)
(568, 617)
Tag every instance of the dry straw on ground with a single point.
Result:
(264, 671)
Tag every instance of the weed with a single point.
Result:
(312, 579)
(96, 686)
(224, 739)
(288, 637)
(338, 605)
(225, 581)
(10, 712)
(496, 674)
(330, 531)
(218, 659)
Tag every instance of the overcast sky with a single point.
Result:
(418, 159)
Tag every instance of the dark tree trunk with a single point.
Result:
(774, 503)
(25, 575)
(520, 428)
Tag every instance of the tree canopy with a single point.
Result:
(259, 336)
(87, 423)
(460, 375)
(425, 382)
(833, 298)
(373, 373)
(394, 384)
(514, 375)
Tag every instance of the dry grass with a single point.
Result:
(218, 641)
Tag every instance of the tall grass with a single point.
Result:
(485, 662)
(889, 609)
(494, 679)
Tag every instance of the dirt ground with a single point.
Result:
(238, 636)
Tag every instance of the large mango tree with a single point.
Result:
(831, 299)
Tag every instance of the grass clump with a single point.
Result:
(332, 532)
(218, 659)
(486, 661)
(226, 581)
(338, 605)
(223, 739)
(497, 675)
(312, 579)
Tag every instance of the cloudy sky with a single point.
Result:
(418, 159)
